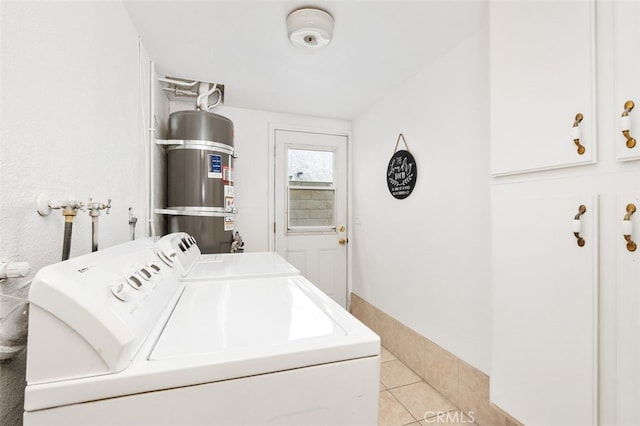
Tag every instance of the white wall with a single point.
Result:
(252, 168)
(425, 260)
(71, 126)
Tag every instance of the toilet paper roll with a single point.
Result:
(627, 227)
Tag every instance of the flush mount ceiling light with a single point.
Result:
(310, 28)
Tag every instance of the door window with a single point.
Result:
(311, 190)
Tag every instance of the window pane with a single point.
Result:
(311, 191)
(311, 207)
(310, 166)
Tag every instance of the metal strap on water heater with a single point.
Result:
(198, 211)
(198, 144)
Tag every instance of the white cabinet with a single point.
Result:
(542, 76)
(566, 319)
(627, 76)
(628, 314)
(626, 16)
(544, 299)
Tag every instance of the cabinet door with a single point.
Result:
(542, 76)
(544, 310)
(627, 72)
(628, 317)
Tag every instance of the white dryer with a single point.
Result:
(117, 337)
(229, 265)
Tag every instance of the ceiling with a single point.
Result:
(377, 45)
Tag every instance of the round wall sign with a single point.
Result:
(402, 174)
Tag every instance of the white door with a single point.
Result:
(544, 309)
(311, 207)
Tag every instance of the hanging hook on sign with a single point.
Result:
(401, 137)
(402, 171)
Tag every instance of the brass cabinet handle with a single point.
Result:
(575, 133)
(343, 241)
(577, 225)
(625, 124)
(627, 227)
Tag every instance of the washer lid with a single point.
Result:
(267, 319)
(222, 330)
(225, 266)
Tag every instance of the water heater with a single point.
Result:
(199, 178)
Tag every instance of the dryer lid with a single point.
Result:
(225, 266)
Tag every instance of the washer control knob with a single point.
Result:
(186, 242)
(119, 292)
(134, 282)
(145, 273)
(167, 257)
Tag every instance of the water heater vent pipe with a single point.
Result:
(201, 90)
(176, 82)
(202, 102)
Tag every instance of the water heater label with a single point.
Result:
(214, 169)
(229, 223)
(227, 176)
(228, 202)
(228, 196)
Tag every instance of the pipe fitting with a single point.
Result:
(44, 205)
(94, 211)
(94, 207)
(70, 210)
(132, 224)
(68, 213)
(14, 270)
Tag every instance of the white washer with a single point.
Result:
(117, 337)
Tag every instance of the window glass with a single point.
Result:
(311, 189)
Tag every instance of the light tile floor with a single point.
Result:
(406, 399)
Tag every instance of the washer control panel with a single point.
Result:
(180, 250)
(113, 297)
(143, 279)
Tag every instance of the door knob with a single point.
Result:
(342, 241)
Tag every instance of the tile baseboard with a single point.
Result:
(464, 385)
